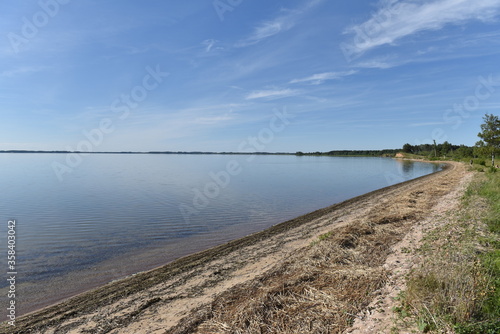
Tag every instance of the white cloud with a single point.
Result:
(277, 25)
(426, 124)
(214, 119)
(271, 94)
(268, 29)
(398, 19)
(209, 44)
(22, 71)
(381, 64)
(319, 78)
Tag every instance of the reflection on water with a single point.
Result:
(118, 214)
(407, 166)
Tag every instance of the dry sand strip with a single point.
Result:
(379, 317)
(218, 290)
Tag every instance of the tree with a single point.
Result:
(446, 147)
(490, 135)
(464, 152)
(407, 148)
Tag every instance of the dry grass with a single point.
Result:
(325, 286)
(321, 288)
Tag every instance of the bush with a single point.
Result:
(484, 328)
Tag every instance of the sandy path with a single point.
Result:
(379, 316)
(155, 301)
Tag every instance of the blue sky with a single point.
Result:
(347, 74)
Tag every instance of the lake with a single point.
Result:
(113, 215)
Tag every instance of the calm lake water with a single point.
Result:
(115, 215)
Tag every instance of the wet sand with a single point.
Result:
(160, 300)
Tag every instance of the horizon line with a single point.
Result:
(185, 152)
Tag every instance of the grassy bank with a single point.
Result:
(457, 285)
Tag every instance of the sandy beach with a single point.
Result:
(315, 273)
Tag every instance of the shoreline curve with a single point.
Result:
(87, 302)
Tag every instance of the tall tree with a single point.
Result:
(490, 135)
(407, 148)
(445, 148)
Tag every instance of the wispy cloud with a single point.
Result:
(214, 119)
(378, 63)
(271, 94)
(22, 71)
(209, 45)
(426, 124)
(398, 19)
(269, 29)
(282, 23)
(319, 78)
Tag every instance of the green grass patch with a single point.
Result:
(457, 287)
(490, 190)
(322, 237)
(325, 236)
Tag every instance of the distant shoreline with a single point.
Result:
(149, 152)
(337, 153)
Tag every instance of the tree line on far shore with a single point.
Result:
(445, 149)
(487, 147)
(354, 153)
